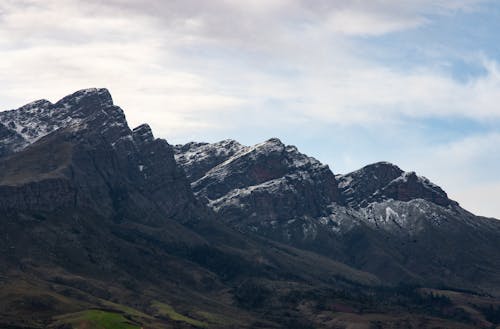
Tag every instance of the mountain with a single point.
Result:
(80, 153)
(103, 226)
(394, 224)
(382, 181)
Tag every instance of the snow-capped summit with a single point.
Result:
(88, 156)
(273, 188)
(266, 182)
(98, 96)
(24, 126)
(198, 158)
(250, 165)
(409, 186)
(382, 181)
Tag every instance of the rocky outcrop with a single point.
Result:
(47, 195)
(378, 218)
(409, 186)
(256, 165)
(198, 158)
(35, 120)
(266, 182)
(383, 181)
(358, 186)
(10, 140)
(87, 154)
(142, 135)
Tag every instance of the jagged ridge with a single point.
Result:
(88, 202)
(360, 218)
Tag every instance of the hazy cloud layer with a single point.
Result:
(228, 69)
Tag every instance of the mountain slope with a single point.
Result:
(101, 226)
(263, 181)
(96, 215)
(381, 181)
(394, 224)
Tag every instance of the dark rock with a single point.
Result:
(269, 181)
(383, 181)
(142, 135)
(198, 158)
(97, 212)
(359, 186)
(94, 161)
(409, 186)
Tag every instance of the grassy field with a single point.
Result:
(168, 311)
(97, 319)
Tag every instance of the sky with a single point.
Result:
(413, 82)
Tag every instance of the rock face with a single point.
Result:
(382, 181)
(409, 186)
(358, 186)
(378, 218)
(198, 158)
(39, 118)
(96, 213)
(267, 182)
(271, 184)
(80, 153)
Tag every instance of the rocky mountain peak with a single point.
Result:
(198, 158)
(380, 171)
(82, 148)
(266, 182)
(27, 124)
(270, 145)
(409, 186)
(92, 214)
(383, 180)
(358, 185)
(142, 134)
(274, 141)
(252, 166)
(36, 105)
(97, 96)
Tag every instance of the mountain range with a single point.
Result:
(103, 226)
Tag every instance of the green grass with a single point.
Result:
(125, 309)
(216, 318)
(97, 319)
(167, 310)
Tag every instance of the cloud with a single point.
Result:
(482, 200)
(351, 22)
(193, 59)
(369, 93)
(465, 167)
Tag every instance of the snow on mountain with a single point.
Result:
(198, 158)
(267, 186)
(272, 186)
(384, 181)
(379, 218)
(256, 165)
(27, 124)
(359, 185)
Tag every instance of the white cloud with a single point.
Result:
(198, 58)
(466, 168)
(351, 22)
(482, 199)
